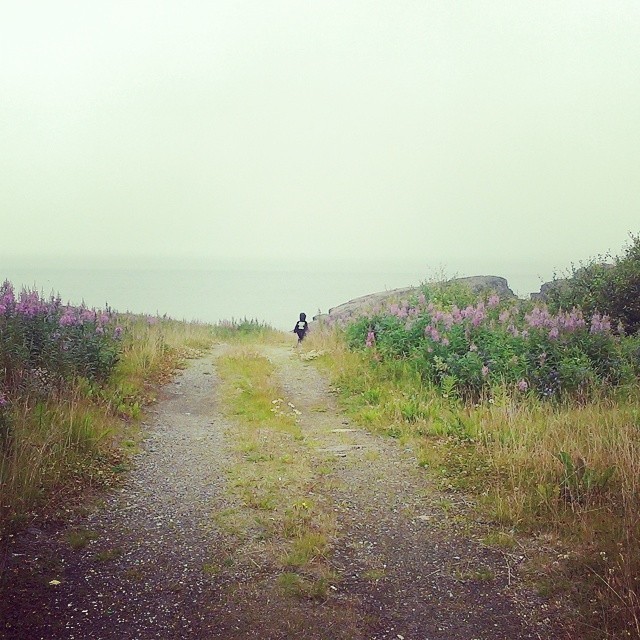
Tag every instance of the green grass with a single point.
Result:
(275, 469)
(81, 437)
(305, 548)
(80, 538)
(566, 469)
(500, 540)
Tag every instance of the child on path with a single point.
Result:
(301, 328)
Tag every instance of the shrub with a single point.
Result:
(44, 344)
(612, 289)
(523, 346)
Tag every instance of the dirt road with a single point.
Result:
(152, 561)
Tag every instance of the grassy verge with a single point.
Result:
(60, 444)
(567, 473)
(278, 520)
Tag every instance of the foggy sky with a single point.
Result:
(453, 132)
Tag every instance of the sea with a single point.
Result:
(212, 291)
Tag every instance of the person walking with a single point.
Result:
(301, 328)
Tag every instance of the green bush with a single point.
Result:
(489, 343)
(612, 289)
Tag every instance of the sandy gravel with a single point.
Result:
(408, 569)
(141, 573)
(439, 582)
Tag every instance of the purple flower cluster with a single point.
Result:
(7, 297)
(492, 342)
(29, 304)
(600, 324)
(510, 319)
(80, 316)
(563, 322)
(38, 334)
(443, 321)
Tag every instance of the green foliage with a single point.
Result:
(581, 483)
(245, 328)
(613, 289)
(466, 352)
(44, 345)
(571, 347)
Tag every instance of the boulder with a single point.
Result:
(477, 284)
(480, 284)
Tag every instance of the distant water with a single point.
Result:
(274, 293)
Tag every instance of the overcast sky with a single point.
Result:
(320, 128)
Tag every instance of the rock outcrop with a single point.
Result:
(477, 284)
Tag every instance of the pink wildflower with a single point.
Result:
(87, 316)
(600, 324)
(68, 318)
(478, 317)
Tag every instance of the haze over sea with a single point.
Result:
(210, 291)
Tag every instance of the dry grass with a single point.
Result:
(274, 475)
(59, 444)
(570, 471)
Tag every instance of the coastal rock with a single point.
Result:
(480, 284)
(547, 287)
(477, 284)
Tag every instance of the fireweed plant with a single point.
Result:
(44, 343)
(474, 347)
(72, 384)
(530, 408)
(52, 356)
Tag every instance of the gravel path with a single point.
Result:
(435, 581)
(140, 574)
(408, 569)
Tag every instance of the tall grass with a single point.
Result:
(567, 469)
(152, 349)
(247, 330)
(63, 420)
(56, 443)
